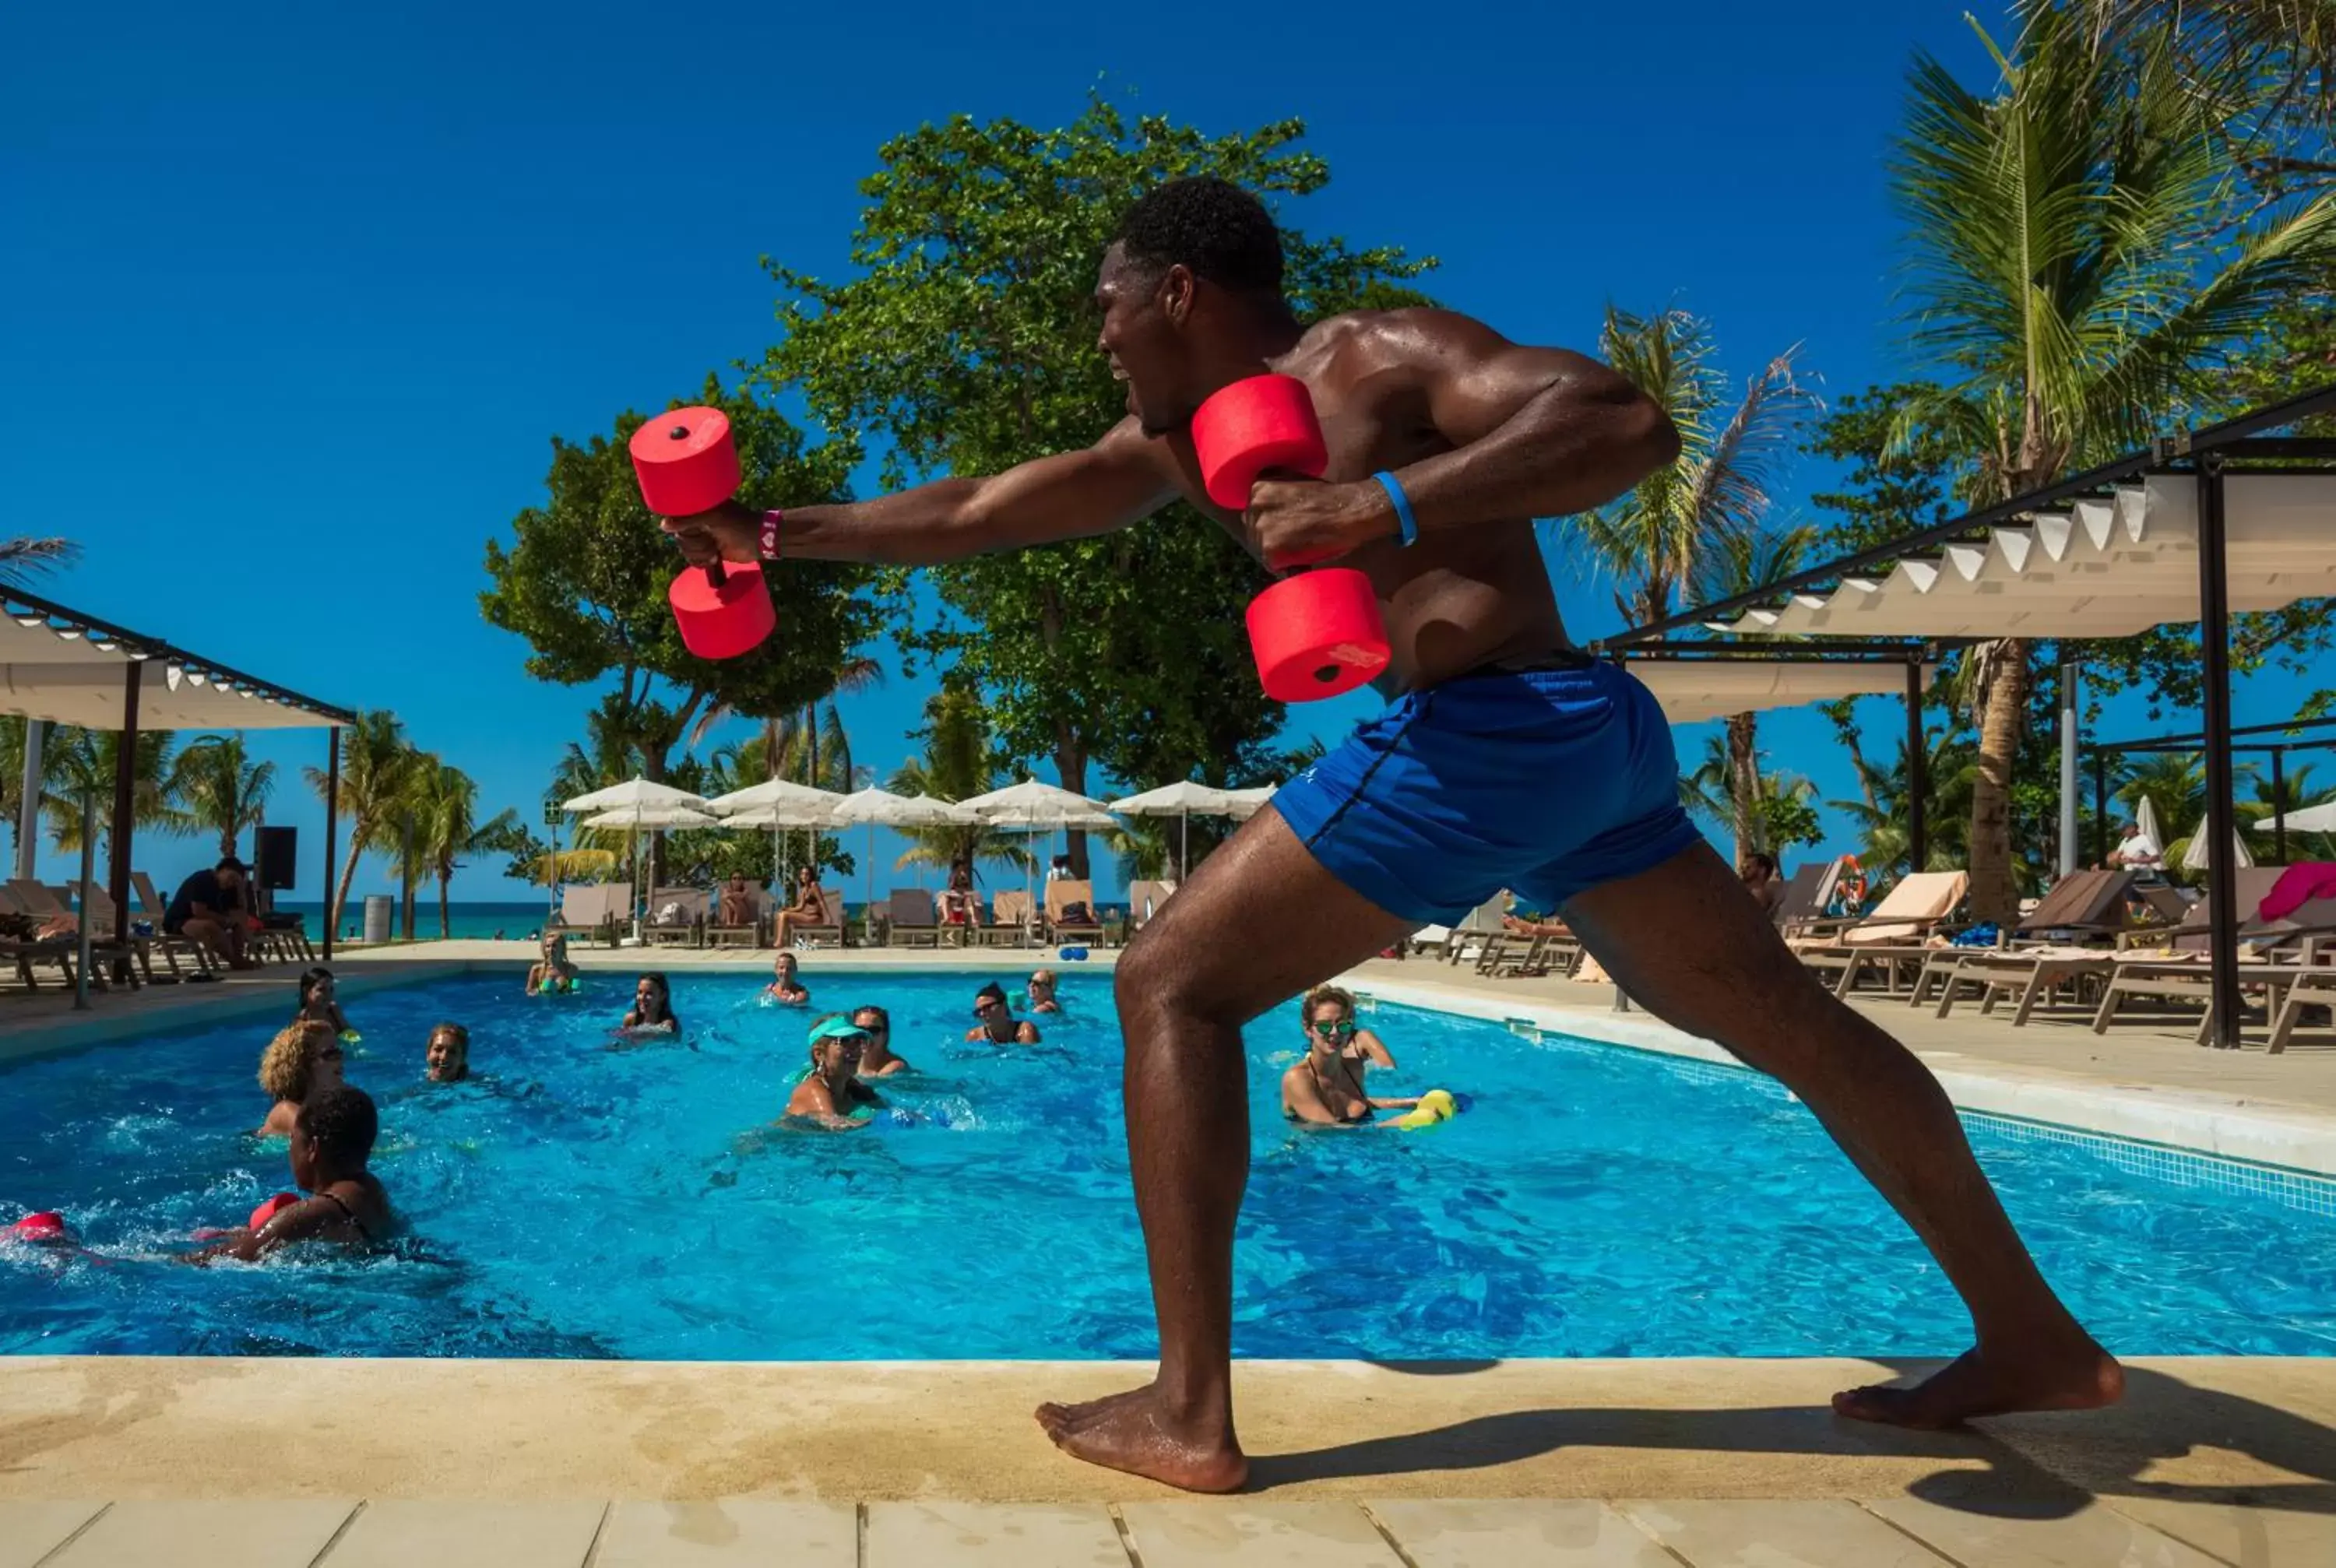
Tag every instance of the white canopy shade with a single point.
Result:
(652, 818)
(1032, 803)
(1247, 803)
(2194, 858)
(2318, 819)
(785, 793)
(1182, 798)
(59, 665)
(635, 794)
(2103, 568)
(1694, 690)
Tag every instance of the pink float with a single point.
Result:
(1320, 633)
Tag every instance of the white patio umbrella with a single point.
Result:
(778, 804)
(2145, 817)
(875, 806)
(2194, 858)
(2318, 819)
(1183, 801)
(1248, 803)
(634, 794)
(633, 806)
(1034, 804)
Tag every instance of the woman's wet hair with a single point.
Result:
(309, 981)
(884, 1019)
(290, 1058)
(1321, 994)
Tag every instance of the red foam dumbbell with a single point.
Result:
(686, 463)
(1319, 633)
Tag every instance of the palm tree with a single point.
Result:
(81, 764)
(1780, 813)
(2173, 782)
(1653, 543)
(221, 788)
(2076, 282)
(376, 760)
(23, 557)
(956, 767)
(444, 801)
(1884, 814)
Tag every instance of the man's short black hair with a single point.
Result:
(343, 1123)
(229, 863)
(1212, 226)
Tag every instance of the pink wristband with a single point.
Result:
(769, 546)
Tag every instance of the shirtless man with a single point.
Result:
(1505, 758)
(332, 1139)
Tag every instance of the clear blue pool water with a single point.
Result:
(575, 1201)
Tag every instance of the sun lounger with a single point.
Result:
(829, 933)
(1009, 921)
(718, 935)
(912, 920)
(25, 953)
(1476, 929)
(1920, 902)
(676, 916)
(1528, 954)
(1061, 895)
(2036, 962)
(1806, 893)
(596, 908)
(2313, 990)
(1143, 902)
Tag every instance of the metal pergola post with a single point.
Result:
(125, 811)
(28, 805)
(2100, 807)
(2214, 638)
(1918, 772)
(332, 833)
(2069, 768)
(88, 879)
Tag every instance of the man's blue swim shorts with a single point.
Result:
(1546, 780)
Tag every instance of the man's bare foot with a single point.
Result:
(1133, 1432)
(1983, 1382)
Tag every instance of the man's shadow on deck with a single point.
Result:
(2047, 1465)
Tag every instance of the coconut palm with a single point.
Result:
(956, 767)
(2076, 281)
(2175, 782)
(1654, 543)
(221, 788)
(80, 764)
(443, 802)
(23, 559)
(1884, 816)
(1780, 813)
(376, 761)
(1742, 560)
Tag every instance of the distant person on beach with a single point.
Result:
(1326, 1087)
(552, 973)
(207, 908)
(304, 1057)
(998, 1025)
(737, 903)
(1040, 990)
(1058, 869)
(319, 1002)
(652, 1005)
(786, 987)
(1759, 875)
(957, 902)
(877, 1059)
(832, 1088)
(332, 1140)
(810, 908)
(446, 1060)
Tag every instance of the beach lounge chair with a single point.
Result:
(151, 910)
(1806, 893)
(596, 908)
(1889, 941)
(830, 933)
(749, 935)
(26, 951)
(1477, 928)
(2313, 990)
(912, 920)
(53, 904)
(1061, 895)
(2046, 953)
(1009, 921)
(676, 917)
(1143, 900)
(1527, 954)
(2272, 954)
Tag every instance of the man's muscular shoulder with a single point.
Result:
(1374, 342)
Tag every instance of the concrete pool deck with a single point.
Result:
(1650, 1464)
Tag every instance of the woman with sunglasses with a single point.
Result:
(831, 1090)
(304, 1057)
(1326, 1088)
(998, 1023)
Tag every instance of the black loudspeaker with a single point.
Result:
(276, 853)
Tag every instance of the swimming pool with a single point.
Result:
(575, 1201)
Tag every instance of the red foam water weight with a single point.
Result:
(39, 1229)
(685, 460)
(722, 618)
(1317, 634)
(271, 1208)
(1265, 421)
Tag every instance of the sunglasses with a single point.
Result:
(334, 1054)
(1341, 1030)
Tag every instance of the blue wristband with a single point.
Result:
(1402, 503)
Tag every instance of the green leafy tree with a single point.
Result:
(445, 803)
(376, 762)
(956, 765)
(584, 581)
(221, 788)
(81, 764)
(1781, 816)
(2076, 279)
(967, 337)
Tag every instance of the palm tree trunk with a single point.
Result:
(1743, 780)
(1994, 893)
(348, 870)
(1071, 762)
(445, 920)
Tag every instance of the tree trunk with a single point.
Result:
(2003, 715)
(446, 920)
(357, 826)
(1743, 782)
(1071, 762)
(405, 877)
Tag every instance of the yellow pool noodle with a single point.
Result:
(1435, 1106)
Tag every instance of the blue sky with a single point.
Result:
(295, 301)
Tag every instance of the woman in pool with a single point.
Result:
(332, 1139)
(998, 1025)
(552, 974)
(810, 908)
(319, 1003)
(1040, 990)
(446, 1060)
(876, 1057)
(303, 1058)
(834, 1088)
(1326, 1087)
(652, 1006)
(785, 987)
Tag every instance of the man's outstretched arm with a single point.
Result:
(1120, 480)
